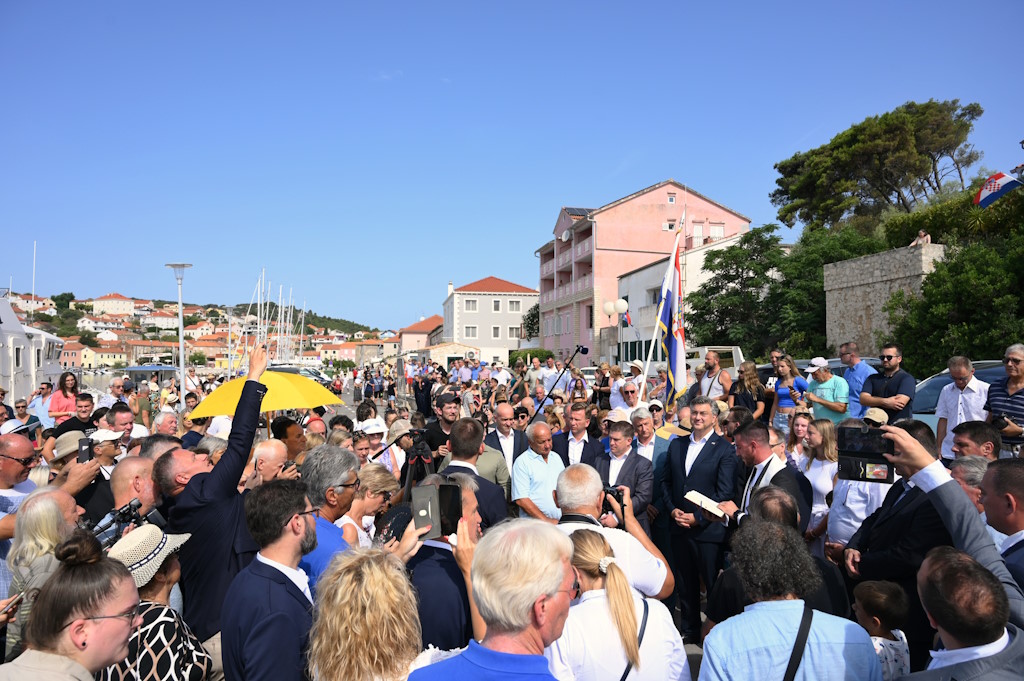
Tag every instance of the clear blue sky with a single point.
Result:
(366, 153)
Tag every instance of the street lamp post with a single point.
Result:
(179, 274)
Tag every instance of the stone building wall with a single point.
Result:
(857, 290)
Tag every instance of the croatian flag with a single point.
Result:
(994, 188)
(670, 325)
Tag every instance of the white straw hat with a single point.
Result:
(144, 549)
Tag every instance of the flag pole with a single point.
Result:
(661, 305)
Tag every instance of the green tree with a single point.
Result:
(528, 355)
(737, 305)
(62, 301)
(800, 297)
(88, 338)
(897, 160)
(531, 322)
(192, 319)
(197, 359)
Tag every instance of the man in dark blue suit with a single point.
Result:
(507, 440)
(441, 583)
(576, 445)
(207, 505)
(704, 462)
(466, 443)
(623, 466)
(1003, 493)
(268, 609)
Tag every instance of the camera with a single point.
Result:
(999, 421)
(611, 492)
(861, 454)
(128, 515)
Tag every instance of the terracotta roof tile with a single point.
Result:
(494, 285)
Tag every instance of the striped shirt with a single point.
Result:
(1001, 402)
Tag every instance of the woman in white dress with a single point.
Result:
(374, 488)
(615, 397)
(821, 468)
(608, 604)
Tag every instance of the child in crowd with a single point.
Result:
(880, 608)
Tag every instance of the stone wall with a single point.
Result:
(857, 290)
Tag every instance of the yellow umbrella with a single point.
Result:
(284, 391)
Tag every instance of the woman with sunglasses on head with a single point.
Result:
(162, 648)
(648, 646)
(789, 393)
(82, 618)
(747, 390)
(62, 404)
(374, 488)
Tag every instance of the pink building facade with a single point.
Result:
(579, 268)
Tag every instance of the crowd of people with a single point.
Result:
(591, 529)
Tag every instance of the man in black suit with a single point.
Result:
(505, 438)
(623, 466)
(1002, 489)
(704, 462)
(207, 505)
(466, 444)
(892, 543)
(267, 615)
(576, 445)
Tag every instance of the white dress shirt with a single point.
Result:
(694, 448)
(464, 464)
(574, 654)
(957, 406)
(852, 502)
(945, 658)
(576, 447)
(647, 450)
(508, 446)
(614, 466)
(297, 576)
(644, 572)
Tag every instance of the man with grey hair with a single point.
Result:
(115, 395)
(969, 472)
(1005, 403)
(330, 474)
(534, 475)
(777, 572)
(269, 458)
(441, 581)
(580, 495)
(166, 423)
(961, 400)
(523, 584)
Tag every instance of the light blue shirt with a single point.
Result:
(535, 479)
(41, 408)
(757, 644)
(855, 377)
(834, 389)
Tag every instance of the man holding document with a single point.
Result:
(706, 463)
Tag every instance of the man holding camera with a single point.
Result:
(622, 466)
(1005, 403)
(580, 495)
(132, 479)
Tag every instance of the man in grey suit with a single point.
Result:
(967, 592)
(623, 466)
(1002, 491)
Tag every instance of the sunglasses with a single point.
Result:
(887, 358)
(27, 461)
(1015, 361)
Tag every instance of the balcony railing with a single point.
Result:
(547, 268)
(583, 247)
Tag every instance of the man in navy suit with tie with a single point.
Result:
(206, 504)
(1002, 489)
(268, 608)
(623, 466)
(466, 443)
(707, 463)
(576, 446)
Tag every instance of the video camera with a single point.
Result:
(861, 451)
(128, 515)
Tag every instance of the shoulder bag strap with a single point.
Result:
(801, 643)
(639, 641)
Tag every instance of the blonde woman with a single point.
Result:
(747, 390)
(615, 398)
(789, 393)
(374, 488)
(796, 453)
(366, 626)
(821, 468)
(608, 604)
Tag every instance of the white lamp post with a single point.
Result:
(179, 274)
